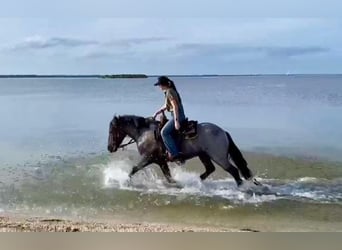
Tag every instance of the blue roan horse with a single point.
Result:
(212, 144)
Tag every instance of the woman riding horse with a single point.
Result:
(212, 144)
(173, 104)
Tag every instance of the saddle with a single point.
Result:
(187, 131)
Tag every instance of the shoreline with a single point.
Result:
(25, 223)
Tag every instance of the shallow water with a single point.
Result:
(99, 187)
(53, 156)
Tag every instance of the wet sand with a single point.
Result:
(9, 223)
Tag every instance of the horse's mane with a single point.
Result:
(138, 121)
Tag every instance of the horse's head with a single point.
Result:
(116, 135)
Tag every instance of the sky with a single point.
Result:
(170, 37)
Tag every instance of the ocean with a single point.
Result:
(54, 161)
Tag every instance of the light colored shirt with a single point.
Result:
(171, 94)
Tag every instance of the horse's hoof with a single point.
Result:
(173, 184)
(171, 181)
(129, 182)
(256, 182)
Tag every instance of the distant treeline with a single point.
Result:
(125, 76)
(77, 76)
(146, 76)
(49, 76)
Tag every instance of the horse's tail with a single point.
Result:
(236, 156)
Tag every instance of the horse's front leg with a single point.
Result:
(166, 171)
(143, 163)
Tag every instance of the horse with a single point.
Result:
(212, 144)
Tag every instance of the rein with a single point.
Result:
(131, 141)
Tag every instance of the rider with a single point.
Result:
(173, 104)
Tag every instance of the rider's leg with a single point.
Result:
(169, 142)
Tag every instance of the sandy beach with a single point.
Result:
(11, 223)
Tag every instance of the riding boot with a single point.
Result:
(179, 158)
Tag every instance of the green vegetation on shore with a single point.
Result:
(146, 76)
(77, 76)
(125, 76)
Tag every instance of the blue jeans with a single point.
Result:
(167, 134)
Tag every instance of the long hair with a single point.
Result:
(173, 86)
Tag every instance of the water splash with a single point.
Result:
(116, 174)
(189, 184)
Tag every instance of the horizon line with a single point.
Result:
(156, 75)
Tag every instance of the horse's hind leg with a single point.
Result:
(225, 164)
(238, 159)
(209, 166)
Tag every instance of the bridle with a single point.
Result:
(116, 137)
(131, 141)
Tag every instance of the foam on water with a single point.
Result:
(116, 174)
(189, 183)
(314, 189)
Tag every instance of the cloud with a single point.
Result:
(166, 44)
(295, 51)
(171, 52)
(135, 41)
(95, 49)
(37, 42)
(103, 54)
(128, 48)
(193, 49)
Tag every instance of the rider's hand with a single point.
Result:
(177, 125)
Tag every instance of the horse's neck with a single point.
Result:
(133, 132)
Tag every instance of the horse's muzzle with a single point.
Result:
(111, 149)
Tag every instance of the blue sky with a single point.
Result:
(155, 37)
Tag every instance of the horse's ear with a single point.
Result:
(116, 120)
